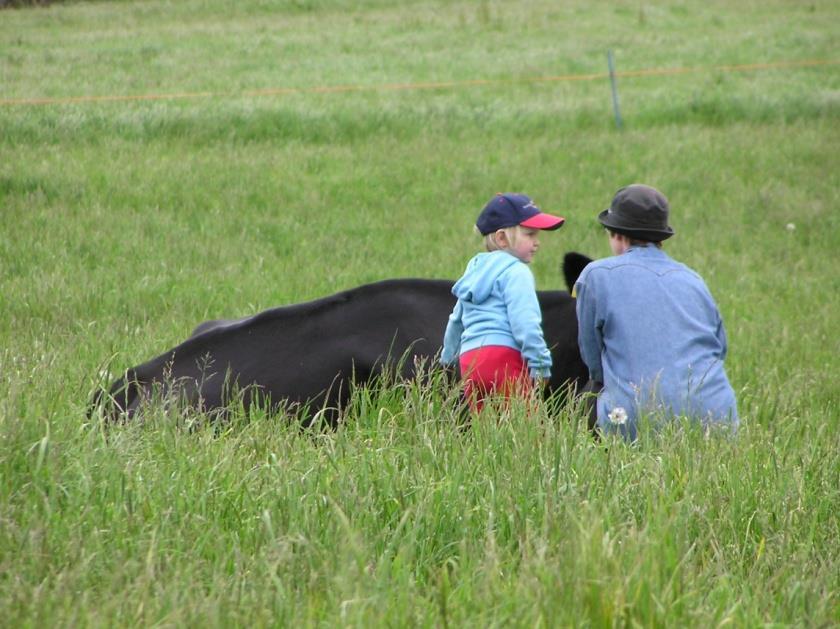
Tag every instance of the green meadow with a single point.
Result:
(163, 163)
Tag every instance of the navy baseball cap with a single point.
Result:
(510, 209)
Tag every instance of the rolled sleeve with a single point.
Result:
(590, 326)
(721, 337)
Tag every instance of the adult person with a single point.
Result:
(648, 328)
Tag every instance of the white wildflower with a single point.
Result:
(790, 227)
(618, 416)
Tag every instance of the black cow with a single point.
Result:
(308, 354)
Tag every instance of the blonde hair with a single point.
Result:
(490, 239)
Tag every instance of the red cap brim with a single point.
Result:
(544, 221)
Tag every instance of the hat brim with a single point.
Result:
(544, 221)
(643, 233)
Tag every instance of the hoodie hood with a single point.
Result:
(482, 272)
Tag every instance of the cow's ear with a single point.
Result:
(573, 265)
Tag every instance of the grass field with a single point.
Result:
(127, 221)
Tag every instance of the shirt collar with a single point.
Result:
(649, 251)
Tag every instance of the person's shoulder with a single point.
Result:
(516, 277)
(518, 271)
(686, 275)
(683, 268)
(602, 264)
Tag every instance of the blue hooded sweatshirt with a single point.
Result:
(497, 305)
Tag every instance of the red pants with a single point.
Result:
(493, 370)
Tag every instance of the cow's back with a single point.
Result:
(300, 353)
(309, 352)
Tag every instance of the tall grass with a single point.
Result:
(124, 224)
(399, 515)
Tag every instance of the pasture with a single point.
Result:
(276, 152)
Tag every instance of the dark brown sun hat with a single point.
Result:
(638, 211)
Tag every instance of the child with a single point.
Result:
(495, 328)
(649, 330)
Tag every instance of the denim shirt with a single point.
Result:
(650, 331)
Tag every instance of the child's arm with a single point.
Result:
(525, 317)
(452, 336)
(590, 339)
